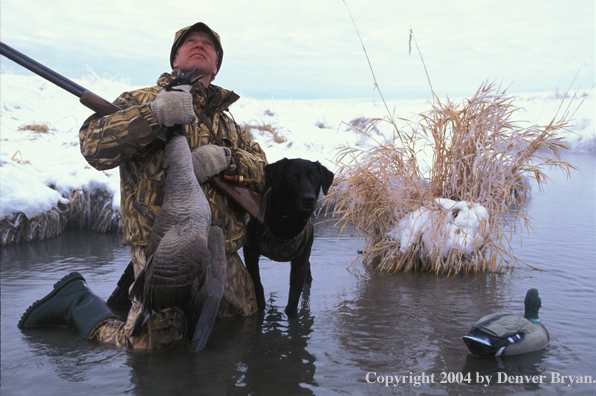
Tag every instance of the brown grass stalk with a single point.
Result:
(265, 129)
(37, 127)
(479, 155)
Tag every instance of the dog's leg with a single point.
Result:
(251, 260)
(308, 280)
(298, 275)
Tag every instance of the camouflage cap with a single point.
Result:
(198, 27)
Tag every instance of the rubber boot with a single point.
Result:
(119, 298)
(71, 304)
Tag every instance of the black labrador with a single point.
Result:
(287, 232)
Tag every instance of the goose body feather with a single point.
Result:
(186, 263)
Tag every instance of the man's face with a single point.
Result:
(197, 51)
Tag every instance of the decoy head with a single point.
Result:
(532, 304)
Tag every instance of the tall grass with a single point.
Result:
(476, 153)
(471, 151)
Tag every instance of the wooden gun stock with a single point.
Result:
(243, 196)
(98, 104)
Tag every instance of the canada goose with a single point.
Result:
(186, 262)
(509, 334)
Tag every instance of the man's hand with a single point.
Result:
(209, 160)
(174, 107)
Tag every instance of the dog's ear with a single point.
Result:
(274, 171)
(326, 177)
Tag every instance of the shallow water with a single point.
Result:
(355, 327)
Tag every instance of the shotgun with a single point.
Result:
(249, 200)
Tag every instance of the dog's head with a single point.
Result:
(296, 184)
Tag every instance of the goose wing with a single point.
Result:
(172, 273)
(178, 268)
(210, 295)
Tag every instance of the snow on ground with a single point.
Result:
(37, 169)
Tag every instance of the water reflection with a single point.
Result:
(489, 371)
(279, 356)
(351, 321)
(69, 354)
(414, 322)
(89, 253)
(260, 354)
(60, 361)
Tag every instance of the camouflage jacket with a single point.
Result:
(127, 139)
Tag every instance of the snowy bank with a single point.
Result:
(42, 172)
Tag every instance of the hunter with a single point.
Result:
(127, 139)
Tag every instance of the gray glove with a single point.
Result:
(174, 107)
(209, 160)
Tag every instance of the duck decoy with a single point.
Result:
(509, 334)
(186, 263)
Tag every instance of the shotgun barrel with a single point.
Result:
(249, 200)
(86, 97)
(41, 70)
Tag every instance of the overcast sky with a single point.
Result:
(309, 49)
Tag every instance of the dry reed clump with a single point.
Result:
(475, 153)
(322, 125)
(37, 127)
(265, 128)
(363, 124)
(84, 210)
